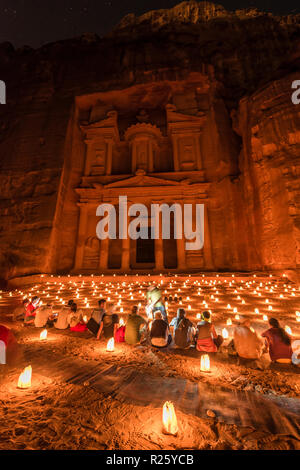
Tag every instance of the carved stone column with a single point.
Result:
(181, 254)
(104, 250)
(83, 217)
(159, 249)
(125, 263)
(207, 248)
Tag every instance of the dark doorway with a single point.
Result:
(145, 249)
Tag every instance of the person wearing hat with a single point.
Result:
(248, 344)
(155, 302)
(279, 342)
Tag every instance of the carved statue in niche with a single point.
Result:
(143, 140)
(91, 253)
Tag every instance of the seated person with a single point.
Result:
(247, 343)
(109, 323)
(182, 330)
(10, 352)
(75, 316)
(63, 317)
(160, 336)
(31, 310)
(98, 313)
(207, 339)
(133, 326)
(279, 342)
(42, 315)
(75, 319)
(19, 312)
(155, 302)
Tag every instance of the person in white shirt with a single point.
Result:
(63, 318)
(42, 315)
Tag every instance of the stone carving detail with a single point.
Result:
(143, 140)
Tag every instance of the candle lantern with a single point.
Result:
(205, 363)
(225, 333)
(44, 335)
(25, 378)
(110, 345)
(169, 419)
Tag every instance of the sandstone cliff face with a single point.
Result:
(245, 62)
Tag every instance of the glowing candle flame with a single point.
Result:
(265, 317)
(44, 334)
(169, 419)
(229, 322)
(25, 378)
(122, 322)
(205, 363)
(225, 333)
(110, 345)
(288, 330)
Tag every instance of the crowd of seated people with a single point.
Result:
(156, 330)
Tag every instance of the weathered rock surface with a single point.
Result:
(236, 67)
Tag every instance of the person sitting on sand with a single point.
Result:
(109, 323)
(63, 317)
(42, 315)
(31, 310)
(19, 312)
(207, 339)
(247, 343)
(160, 336)
(134, 325)
(279, 342)
(155, 302)
(183, 330)
(97, 313)
(10, 352)
(74, 315)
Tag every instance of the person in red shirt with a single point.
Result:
(279, 341)
(12, 353)
(207, 339)
(31, 311)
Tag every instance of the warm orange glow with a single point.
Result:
(44, 334)
(169, 419)
(265, 317)
(25, 378)
(110, 345)
(229, 322)
(122, 322)
(205, 363)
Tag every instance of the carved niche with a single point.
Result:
(100, 138)
(143, 140)
(185, 131)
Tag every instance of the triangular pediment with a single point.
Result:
(143, 181)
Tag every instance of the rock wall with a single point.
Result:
(249, 60)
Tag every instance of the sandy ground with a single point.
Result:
(53, 415)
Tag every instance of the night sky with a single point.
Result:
(36, 22)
